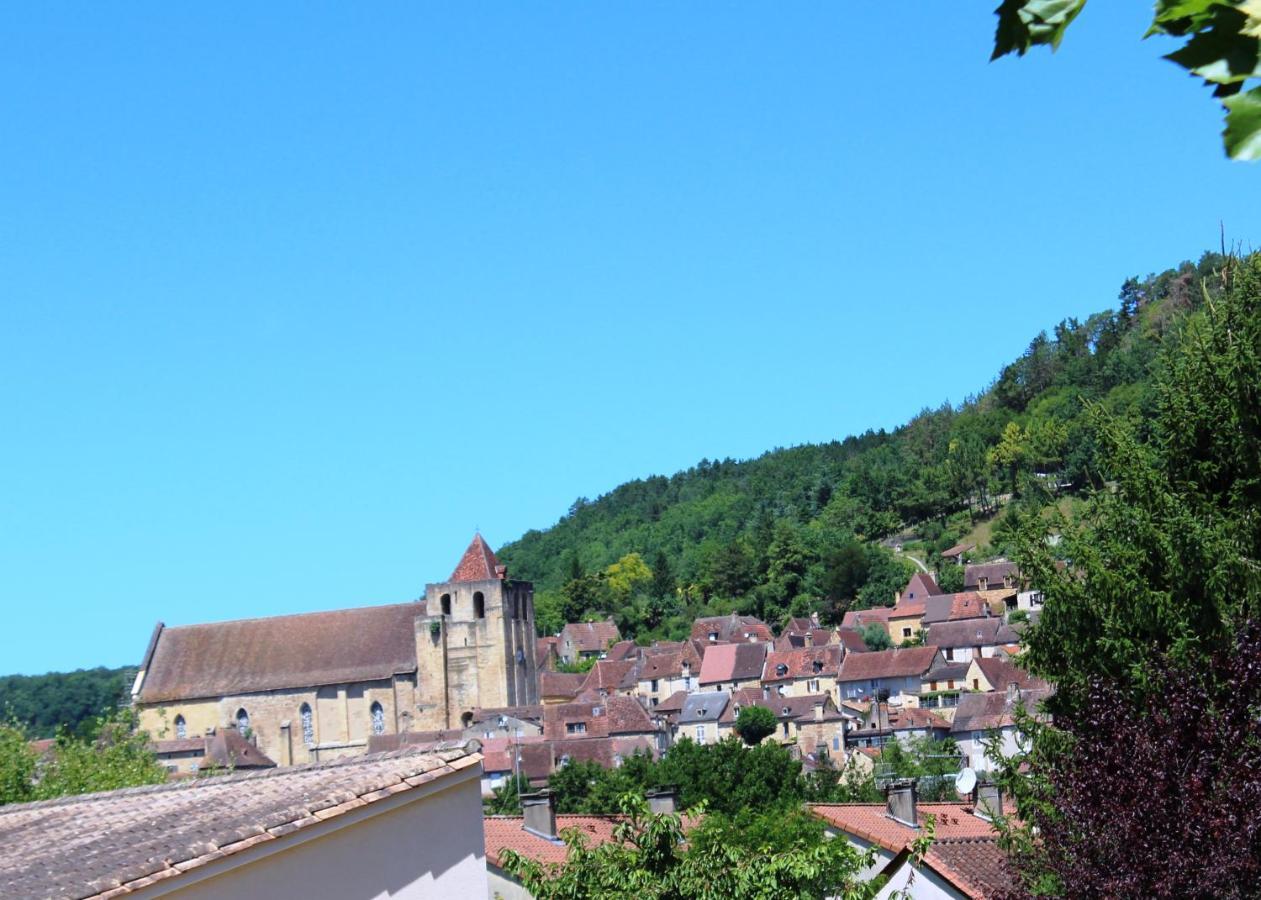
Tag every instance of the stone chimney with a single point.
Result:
(901, 802)
(989, 801)
(1013, 693)
(663, 800)
(818, 710)
(539, 811)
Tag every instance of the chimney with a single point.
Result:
(1013, 693)
(539, 814)
(989, 801)
(901, 802)
(818, 710)
(663, 800)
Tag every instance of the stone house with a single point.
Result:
(964, 639)
(223, 749)
(730, 667)
(885, 674)
(796, 673)
(667, 669)
(587, 640)
(982, 716)
(731, 629)
(701, 714)
(885, 722)
(920, 586)
(905, 621)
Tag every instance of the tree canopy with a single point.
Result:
(1221, 45)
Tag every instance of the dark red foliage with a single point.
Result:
(1162, 797)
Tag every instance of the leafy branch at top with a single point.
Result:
(1222, 46)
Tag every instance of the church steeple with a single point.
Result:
(478, 563)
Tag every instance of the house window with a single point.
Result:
(713, 636)
(242, 720)
(700, 734)
(308, 724)
(479, 605)
(813, 686)
(836, 742)
(576, 727)
(654, 686)
(181, 728)
(446, 604)
(781, 670)
(378, 718)
(906, 632)
(983, 583)
(976, 684)
(785, 729)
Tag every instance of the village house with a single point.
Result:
(547, 653)
(905, 621)
(700, 716)
(951, 607)
(794, 673)
(942, 685)
(560, 687)
(994, 673)
(964, 860)
(405, 824)
(731, 629)
(919, 587)
(980, 717)
(730, 667)
(956, 553)
(886, 722)
(221, 748)
(611, 676)
(587, 640)
(964, 639)
(667, 669)
(991, 576)
(857, 619)
(885, 674)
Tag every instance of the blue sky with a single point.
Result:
(292, 299)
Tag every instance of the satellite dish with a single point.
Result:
(965, 781)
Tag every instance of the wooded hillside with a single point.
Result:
(799, 529)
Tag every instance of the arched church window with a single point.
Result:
(378, 718)
(308, 724)
(446, 604)
(181, 728)
(242, 720)
(479, 605)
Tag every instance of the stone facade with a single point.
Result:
(310, 688)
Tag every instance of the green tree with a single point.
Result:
(18, 762)
(876, 636)
(1009, 454)
(626, 576)
(728, 776)
(1223, 47)
(505, 800)
(846, 570)
(651, 856)
(755, 723)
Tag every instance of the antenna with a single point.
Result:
(965, 781)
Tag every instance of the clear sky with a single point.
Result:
(293, 298)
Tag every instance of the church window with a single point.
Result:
(242, 720)
(308, 724)
(479, 605)
(378, 718)
(181, 728)
(446, 604)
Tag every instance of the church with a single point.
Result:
(316, 686)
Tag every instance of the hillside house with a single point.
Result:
(701, 714)
(587, 640)
(729, 667)
(964, 639)
(886, 673)
(731, 629)
(795, 673)
(980, 716)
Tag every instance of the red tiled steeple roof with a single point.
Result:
(478, 563)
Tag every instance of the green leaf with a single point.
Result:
(1243, 126)
(1181, 17)
(1221, 55)
(1024, 23)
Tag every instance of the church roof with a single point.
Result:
(478, 563)
(371, 643)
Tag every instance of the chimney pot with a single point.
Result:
(539, 814)
(902, 802)
(663, 800)
(989, 801)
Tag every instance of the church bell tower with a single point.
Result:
(475, 643)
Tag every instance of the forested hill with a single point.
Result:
(73, 699)
(797, 530)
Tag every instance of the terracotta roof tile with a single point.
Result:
(372, 643)
(591, 637)
(920, 586)
(857, 618)
(554, 685)
(732, 662)
(896, 663)
(96, 844)
(805, 663)
(871, 822)
(987, 632)
(947, 607)
(508, 833)
(478, 563)
(992, 709)
(731, 628)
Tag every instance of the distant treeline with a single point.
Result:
(799, 529)
(41, 703)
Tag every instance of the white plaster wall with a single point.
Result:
(504, 887)
(925, 885)
(433, 847)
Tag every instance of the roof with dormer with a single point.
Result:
(478, 563)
